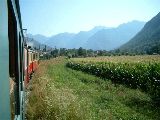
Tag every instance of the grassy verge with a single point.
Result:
(60, 93)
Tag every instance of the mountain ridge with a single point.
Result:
(92, 40)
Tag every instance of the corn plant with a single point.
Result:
(145, 76)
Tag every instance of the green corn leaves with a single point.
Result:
(145, 76)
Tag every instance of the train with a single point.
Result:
(17, 62)
(31, 63)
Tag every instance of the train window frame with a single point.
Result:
(14, 49)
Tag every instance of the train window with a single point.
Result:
(34, 56)
(13, 60)
(12, 31)
(30, 57)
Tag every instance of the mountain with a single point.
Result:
(62, 40)
(81, 38)
(39, 38)
(147, 40)
(98, 38)
(109, 39)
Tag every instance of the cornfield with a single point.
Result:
(144, 75)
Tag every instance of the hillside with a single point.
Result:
(147, 40)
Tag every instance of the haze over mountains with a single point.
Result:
(98, 38)
(147, 40)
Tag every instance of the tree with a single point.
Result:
(82, 52)
(63, 52)
(55, 52)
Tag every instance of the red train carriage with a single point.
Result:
(31, 64)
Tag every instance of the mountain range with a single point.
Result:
(98, 38)
(110, 39)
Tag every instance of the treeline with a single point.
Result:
(81, 52)
(148, 49)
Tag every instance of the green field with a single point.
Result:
(122, 59)
(60, 93)
(142, 72)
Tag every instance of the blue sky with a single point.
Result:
(49, 17)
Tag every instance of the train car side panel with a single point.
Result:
(4, 63)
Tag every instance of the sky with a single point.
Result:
(50, 17)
